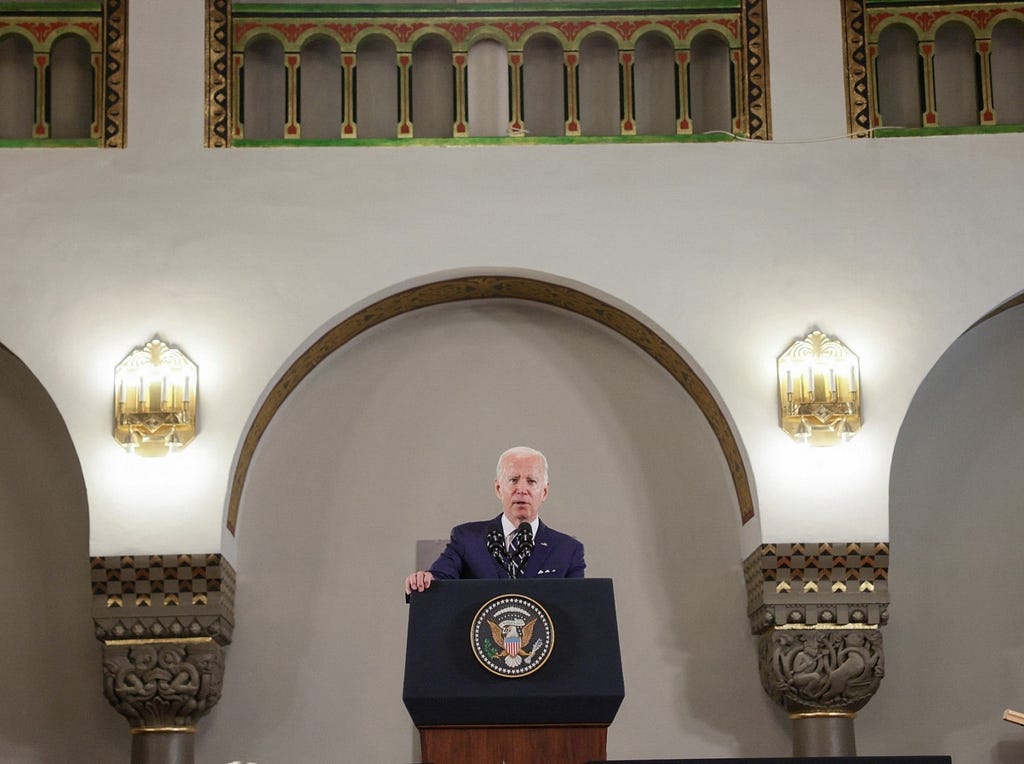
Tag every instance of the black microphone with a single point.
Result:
(525, 532)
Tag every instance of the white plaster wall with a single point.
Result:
(733, 250)
(242, 257)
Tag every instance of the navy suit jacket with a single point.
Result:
(555, 555)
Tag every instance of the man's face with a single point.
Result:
(521, 487)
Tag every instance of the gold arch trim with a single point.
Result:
(1013, 302)
(483, 288)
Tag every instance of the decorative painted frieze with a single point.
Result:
(866, 20)
(103, 26)
(232, 26)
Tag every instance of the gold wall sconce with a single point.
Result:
(155, 398)
(819, 391)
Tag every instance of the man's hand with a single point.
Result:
(418, 581)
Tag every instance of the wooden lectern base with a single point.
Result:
(512, 744)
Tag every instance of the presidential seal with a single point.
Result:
(512, 635)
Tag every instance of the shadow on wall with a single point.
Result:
(955, 644)
(52, 707)
(394, 438)
(687, 562)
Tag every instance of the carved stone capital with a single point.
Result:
(163, 684)
(821, 671)
(817, 609)
(163, 621)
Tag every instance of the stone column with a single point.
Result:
(817, 610)
(405, 115)
(164, 621)
(627, 102)
(926, 49)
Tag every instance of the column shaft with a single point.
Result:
(163, 746)
(823, 735)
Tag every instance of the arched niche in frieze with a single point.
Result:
(710, 89)
(599, 85)
(263, 86)
(655, 77)
(320, 88)
(956, 86)
(17, 87)
(1008, 71)
(376, 88)
(899, 77)
(432, 93)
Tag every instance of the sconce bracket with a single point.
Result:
(819, 384)
(155, 399)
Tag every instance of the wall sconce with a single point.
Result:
(155, 400)
(819, 384)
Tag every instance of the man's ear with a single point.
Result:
(497, 488)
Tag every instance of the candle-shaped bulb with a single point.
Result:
(853, 379)
(185, 391)
(789, 381)
(121, 393)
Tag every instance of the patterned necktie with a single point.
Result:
(519, 550)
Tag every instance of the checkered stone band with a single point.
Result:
(163, 597)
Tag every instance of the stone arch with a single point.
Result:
(484, 287)
(51, 649)
(1005, 305)
(955, 521)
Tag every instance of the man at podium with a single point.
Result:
(516, 544)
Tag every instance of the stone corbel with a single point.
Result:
(164, 621)
(817, 610)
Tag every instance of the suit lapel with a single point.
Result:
(541, 550)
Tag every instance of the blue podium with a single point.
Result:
(473, 692)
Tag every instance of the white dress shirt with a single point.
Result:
(509, 529)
